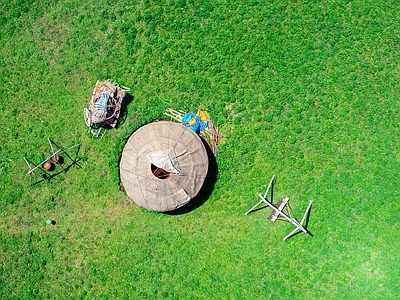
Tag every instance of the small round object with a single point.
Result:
(54, 158)
(46, 165)
(49, 222)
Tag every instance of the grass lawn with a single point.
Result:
(306, 90)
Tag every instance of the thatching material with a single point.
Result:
(165, 144)
(210, 134)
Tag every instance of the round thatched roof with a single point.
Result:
(163, 166)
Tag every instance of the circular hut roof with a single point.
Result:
(163, 166)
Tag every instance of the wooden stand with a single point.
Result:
(37, 170)
(279, 212)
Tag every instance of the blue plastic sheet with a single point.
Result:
(194, 122)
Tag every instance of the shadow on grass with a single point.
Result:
(124, 109)
(206, 190)
(123, 114)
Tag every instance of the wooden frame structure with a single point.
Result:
(38, 170)
(278, 211)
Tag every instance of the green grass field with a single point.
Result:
(306, 90)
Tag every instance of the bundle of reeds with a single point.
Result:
(211, 134)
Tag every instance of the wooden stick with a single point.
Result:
(269, 185)
(306, 212)
(280, 208)
(301, 222)
(29, 166)
(51, 146)
(253, 207)
(291, 233)
(265, 195)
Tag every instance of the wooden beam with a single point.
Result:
(291, 220)
(280, 208)
(301, 222)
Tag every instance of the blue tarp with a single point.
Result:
(194, 122)
(102, 103)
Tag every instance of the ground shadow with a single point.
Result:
(123, 114)
(207, 188)
(124, 109)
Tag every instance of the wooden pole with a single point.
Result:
(253, 207)
(306, 212)
(280, 208)
(265, 195)
(301, 222)
(269, 186)
(51, 146)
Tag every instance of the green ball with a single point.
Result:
(48, 222)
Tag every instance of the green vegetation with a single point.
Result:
(306, 90)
